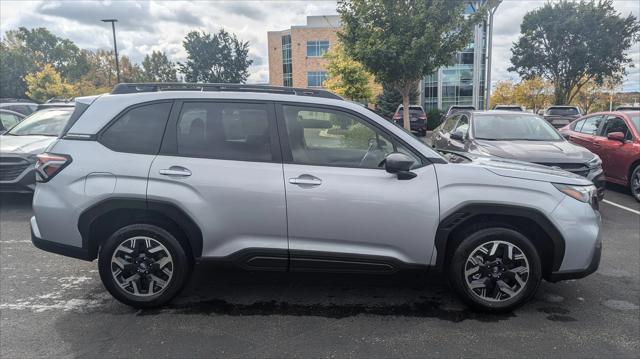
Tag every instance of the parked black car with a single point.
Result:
(24, 107)
(560, 116)
(417, 119)
(517, 136)
(457, 108)
(509, 108)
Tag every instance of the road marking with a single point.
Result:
(621, 206)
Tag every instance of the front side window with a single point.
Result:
(333, 138)
(317, 48)
(229, 131)
(463, 125)
(316, 78)
(8, 120)
(139, 130)
(450, 124)
(591, 125)
(616, 124)
(43, 123)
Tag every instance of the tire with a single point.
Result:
(634, 183)
(153, 255)
(488, 294)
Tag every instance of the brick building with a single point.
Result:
(295, 54)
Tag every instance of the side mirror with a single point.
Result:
(399, 164)
(458, 136)
(616, 136)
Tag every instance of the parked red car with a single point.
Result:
(615, 137)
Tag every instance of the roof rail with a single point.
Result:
(124, 88)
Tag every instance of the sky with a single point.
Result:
(144, 26)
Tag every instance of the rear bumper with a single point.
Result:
(416, 126)
(57, 248)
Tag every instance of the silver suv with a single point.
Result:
(149, 180)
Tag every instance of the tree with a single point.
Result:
(42, 47)
(348, 78)
(402, 41)
(503, 93)
(48, 83)
(388, 101)
(158, 68)
(220, 57)
(571, 43)
(534, 93)
(14, 65)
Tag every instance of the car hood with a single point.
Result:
(24, 144)
(535, 151)
(521, 169)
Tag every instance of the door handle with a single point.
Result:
(306, 180)
(175, 171)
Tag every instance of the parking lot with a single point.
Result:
(53, 306)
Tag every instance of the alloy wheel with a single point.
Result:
(496, 271)
(635, 184)
(142, 266)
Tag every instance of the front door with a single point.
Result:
(344, 211)
(615, 153)
(220, 162)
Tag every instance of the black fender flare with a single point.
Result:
(170, 210)
(469, 211)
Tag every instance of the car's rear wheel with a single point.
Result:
(634, 183)
(495, 269)
(143, 265)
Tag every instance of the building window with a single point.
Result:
(317, 48)
(287, 68)
(316, 78)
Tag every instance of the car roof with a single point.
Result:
(12, 112)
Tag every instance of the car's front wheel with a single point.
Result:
(495, 269)
(634, 183)
(143, 265)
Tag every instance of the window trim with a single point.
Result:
(105, 128)
(287, 156)
(598, 130)
(317, 46)
(169, 145)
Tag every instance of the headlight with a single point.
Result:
(581, 193)
(595, 162)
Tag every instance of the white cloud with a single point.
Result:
(144, 26)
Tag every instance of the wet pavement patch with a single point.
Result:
(425, 309)
(619, 305)
(557, 314)
(561, 318)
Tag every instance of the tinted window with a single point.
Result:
(591, 125)
(230, 131)
(616, 124)
(449, 124)
(139, 130)
(513, 127)
(334, 138)
(563, 111)
(43, 123)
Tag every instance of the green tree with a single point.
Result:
(571, 43)
(401, 41)
(347, 77)
(388, 101)
(158, 68)
(15, 63)
(43, 47)
(220, 57)
(48, 83)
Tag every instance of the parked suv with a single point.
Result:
(560, 116)
(417, 118)
(150, 181)
(517, 136)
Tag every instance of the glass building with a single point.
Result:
(462, 83)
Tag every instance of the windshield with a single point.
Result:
(43, 123)
(635, 120)
(563, 111)
(513, 127)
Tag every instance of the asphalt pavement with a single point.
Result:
(53, 306)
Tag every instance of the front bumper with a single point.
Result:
(19, 175)
(597, 177)
(577, 274)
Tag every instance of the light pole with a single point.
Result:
(115, 45)
(493, 6)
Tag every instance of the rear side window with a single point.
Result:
(577, 126)
(229, 131)
(591, 125)
(138, 130)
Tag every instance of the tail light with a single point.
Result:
(397, 116)
(49, 165)
(422, 117)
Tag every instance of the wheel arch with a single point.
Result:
(632, 167)
(101, 219)
(530, 222)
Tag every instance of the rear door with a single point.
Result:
(344, 210)
(586, 135)
(221, 163)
